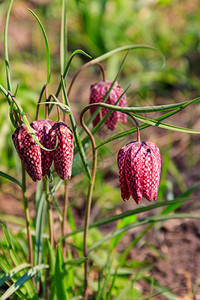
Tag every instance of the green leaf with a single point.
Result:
(165, 126)
(68, 66)
(2, 174)
(15, 286)
(58, 281)
(143, 126)
(141, 222)
(39, 226)
(129, 213)
(6, 47)
(63, 37)
(12, 272)
(46, 44)
(76, 261)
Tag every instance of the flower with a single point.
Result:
(98, 92)
(139, 166)
(43, 127)
(28, 150)
(63, 154)
(37, 161)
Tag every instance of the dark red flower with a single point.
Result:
(28, 151)
(63, 154)
(98, 92)
(43, 127)
(139, 171)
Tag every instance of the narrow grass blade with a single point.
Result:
(58, 281)
(63, 38)
(12, 272)
(76, 261)
(131, 212)
(39, 226)
(6, 47)
(127, 48)
(46, 44)
(68, 66)
(143, 126)
(158, 218)
(15, 286)
(76, 134)
(2, 174)
(164, 125)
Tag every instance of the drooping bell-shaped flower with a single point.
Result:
(98, 92)
(139, 171)
(29, 151)
(43, 127)
(63, 154)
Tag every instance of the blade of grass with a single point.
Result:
(12, 272)
(63, 38)
(46, 44)
(15, 286)
(129, 213)
(2, 174)
(39, 226)
(6, 47)
(143, 126)
(141, 222)
(164, 125)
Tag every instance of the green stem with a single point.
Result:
(50, 214)
(89, 200)
(27, 216)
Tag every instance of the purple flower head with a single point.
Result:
(43, 127)
(63, 154)
(28, 150)
(139, 166)
(97, 93)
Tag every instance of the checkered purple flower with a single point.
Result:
(97, 93)
(139, 166)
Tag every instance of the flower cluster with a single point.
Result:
(36, 160)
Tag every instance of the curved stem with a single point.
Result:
(137, 126)
(27, 216)
(89, 199)
(79, 71)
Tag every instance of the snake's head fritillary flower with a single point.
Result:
(28, 150)
(139, 171)
(63, 154)
(98, 92)
(43, 127)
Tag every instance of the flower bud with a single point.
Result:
(63, 154)
(139, 171)
(28, 150)
(98, 92)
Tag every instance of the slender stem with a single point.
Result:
(49, 208)
(137, 126)
(89, 200)
(46, 105)
(27, 216)
(79, 71)
(64, 221)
